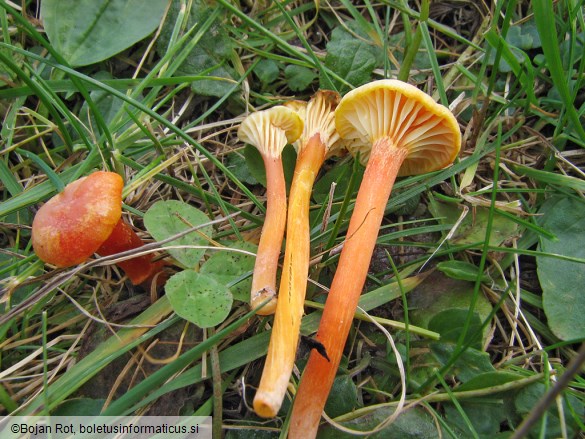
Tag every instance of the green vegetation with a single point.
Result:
(473, 308)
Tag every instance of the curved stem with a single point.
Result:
(266, 265)
(139, 269)
(342, 300)
(293, 284)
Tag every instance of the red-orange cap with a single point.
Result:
(72, 225)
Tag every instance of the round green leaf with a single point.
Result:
(87, 31)
(232, 268)
(298, 77)
(236, 163)
(439, 293)
(410, 424)
(469, 363)
(351, 58)
(214, 52)
(562, 281)
(167, 218)
(199, 298)
(482, 419)
(343, 397)
(472, 229)
(255, 164)
(450, 322)
(267, 71)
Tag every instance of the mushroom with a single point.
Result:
(85, 218)
(398, 130)
(270, 131)
(316, 141)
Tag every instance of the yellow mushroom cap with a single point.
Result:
(319, 117)
(410, 118)
(270, 130)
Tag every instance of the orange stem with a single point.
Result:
(266, 265)
(342, 300)
(293, 284)
(139, 269)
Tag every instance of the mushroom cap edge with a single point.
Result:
(270, 130)
(360, 123)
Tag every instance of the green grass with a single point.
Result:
(164, 113)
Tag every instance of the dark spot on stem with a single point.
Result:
(314, 344)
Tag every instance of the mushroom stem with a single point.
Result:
(139, 269)
(381, 170)
(269, 131)
(293, 283)
(266, 265)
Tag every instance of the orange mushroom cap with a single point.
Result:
(410, 118)
(72, 225)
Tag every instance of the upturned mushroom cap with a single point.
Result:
(319, 117)
(270, 130)
(72, 225)
(408, 117)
